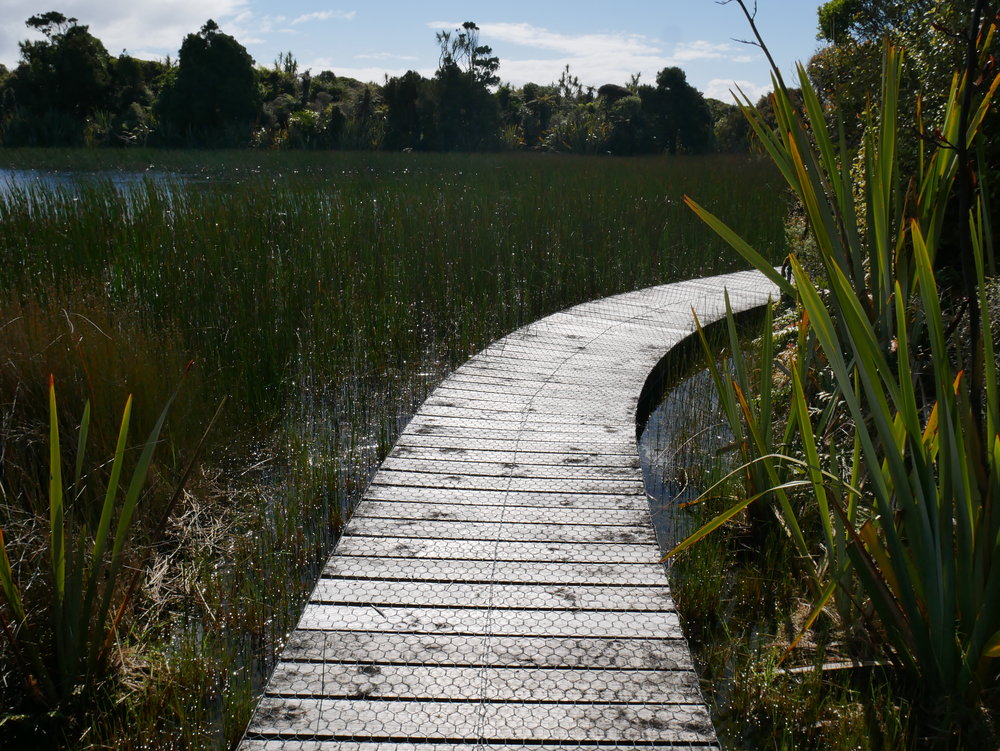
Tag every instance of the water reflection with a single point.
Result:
(35, 184)
(681, 448)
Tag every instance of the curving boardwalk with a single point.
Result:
(499, 584)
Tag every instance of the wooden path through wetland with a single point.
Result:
(499, 584)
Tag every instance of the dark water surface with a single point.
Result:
(681, 450)
(33, 181)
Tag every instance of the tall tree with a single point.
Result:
(67, 72)
(214, 97)
(408, 119)
(868, 20)
(682, 120)
(462, 48)
(466, 115)
(539, 107)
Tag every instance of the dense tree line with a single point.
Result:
(68, 90)
(847, 73)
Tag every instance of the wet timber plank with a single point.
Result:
(515, 466)
(300, 745)
(421, 619)
(494, 497)
(516, 722)
(512, 454)
(499, 585)
(309, 745)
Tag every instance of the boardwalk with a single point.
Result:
(499, 584)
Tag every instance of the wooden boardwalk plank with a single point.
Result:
(320, 745)
(345, 681)
(421, 619)
(472, 481)
(499, 586)
(504, 721)
(562, 470)
(444, 569)
(462, 512)
(615, 465)
(507, 596)
(566, 447)
(480, 650)
(488, 550)
(497, 497)
(502, 531)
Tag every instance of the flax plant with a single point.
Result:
(90, 584)
(752, 424)
(907, 488)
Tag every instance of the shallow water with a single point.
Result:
(34, 181)
(680, 449)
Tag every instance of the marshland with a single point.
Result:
(205, 353)
(322, 296)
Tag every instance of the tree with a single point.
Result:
(214, 96)
(627, 120)
(466, 115)
(539, 108)
(934, 35)
(68, 72)
(408, 118)
(133, 94)
(462, 48)
(730, 127)
(930, 31)
(682, 121)
(867, 20)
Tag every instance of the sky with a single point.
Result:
(602, 42)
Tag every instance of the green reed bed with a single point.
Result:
(324, 295)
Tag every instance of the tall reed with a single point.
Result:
(326, 294)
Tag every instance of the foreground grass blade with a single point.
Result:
(741, 246)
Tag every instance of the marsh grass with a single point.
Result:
(740, 602)
(325, 295)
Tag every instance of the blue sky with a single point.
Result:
(602, 42)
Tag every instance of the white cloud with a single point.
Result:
(146, 54)
(384, 56)
(155, 27)
(526, 35)
(325, 15)
(590, 71)
(248, 27)
(596, 58)
(702, 50)
(375, 74)
(151, 25)
(724, 89)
